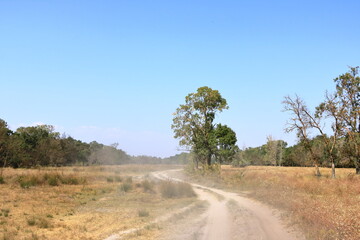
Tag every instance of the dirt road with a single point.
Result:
(229, 217)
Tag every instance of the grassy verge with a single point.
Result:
(81, 202)
(323, 208)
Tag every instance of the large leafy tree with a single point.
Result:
(226, 143)
(5, 134)
(193, 123)
(348, 97)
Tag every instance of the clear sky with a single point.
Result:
(115, 71)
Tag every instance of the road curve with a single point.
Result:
(245, 219)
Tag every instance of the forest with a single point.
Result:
(41, 145)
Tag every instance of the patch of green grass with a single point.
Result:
(52, 179)
(5, 212)
(27, 181)
(2, 181)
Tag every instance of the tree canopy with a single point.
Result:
(194, 126)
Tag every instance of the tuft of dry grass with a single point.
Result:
(170, 189)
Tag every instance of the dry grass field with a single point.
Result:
(83, 202)
(323, 208)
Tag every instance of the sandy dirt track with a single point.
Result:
(230, 216)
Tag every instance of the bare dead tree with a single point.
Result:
(330, 108)
(302, 124)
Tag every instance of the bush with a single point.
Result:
(143, 213)
(31, 221)
(28, 181)
(147, 186)
(5, 212)
(72, 180)
(170, 189)
(118, 179)
(109, 179)
(38, 221)
(52, 179)
(125, 187)
(128, 180)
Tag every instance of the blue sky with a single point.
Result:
(115, 71)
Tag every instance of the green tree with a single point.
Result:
(193, 122)
(5, 134)
(348, 95)
(226, 143)
(36, 146)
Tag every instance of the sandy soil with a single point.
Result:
(228, 217)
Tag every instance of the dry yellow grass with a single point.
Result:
(94, 207)
(323, 208)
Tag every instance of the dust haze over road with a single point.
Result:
(229, 217)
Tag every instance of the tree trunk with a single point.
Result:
(333, 170)
(317, 170)
(208, 159)
(196, 164)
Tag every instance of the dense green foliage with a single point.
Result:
(194, 126)
(42, 146)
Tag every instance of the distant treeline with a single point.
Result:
(42, 146)
(276, 153)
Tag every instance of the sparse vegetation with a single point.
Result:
(5, 212)
(51, 179)
(143, 213)
(148, 186)
(125, 187)
(170, 189)
(55, 206)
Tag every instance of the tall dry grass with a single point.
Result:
(323, 208)
(80, 202)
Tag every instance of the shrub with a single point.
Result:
(125, 187)
(43, 223)
(38, 221)
(52, 179)
(31, 221)
(72, 180)
(147, 186)
(128, 179)
(118, 179)
(28, 181)
(109, 179)
(143, 213)
(5, 212)
(170, 189)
